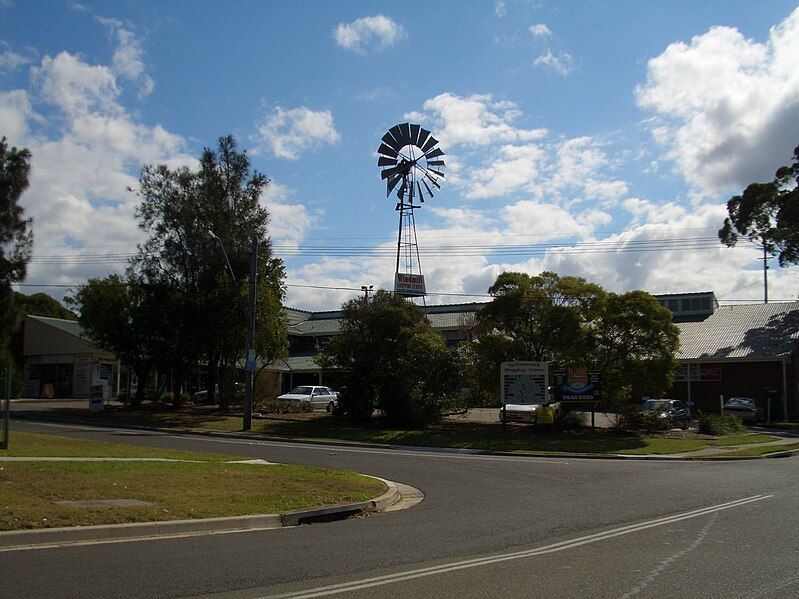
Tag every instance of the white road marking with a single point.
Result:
(335, 448)
(366, 583)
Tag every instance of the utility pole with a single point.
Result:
(250, 364)
(765, 273)
(366, 291)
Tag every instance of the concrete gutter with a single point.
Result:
(75, 535)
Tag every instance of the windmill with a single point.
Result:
(413, 166)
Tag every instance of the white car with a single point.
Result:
(524, 412)
(319, 398)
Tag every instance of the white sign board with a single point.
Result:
(408, 284)
(524, 382)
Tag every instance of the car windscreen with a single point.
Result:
(739, 402)
(301, 391)
(655, 405)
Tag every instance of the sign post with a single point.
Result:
(523, 383)
(579, 385)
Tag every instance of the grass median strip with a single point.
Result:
(758, 451)
(29, 491)
(743, 440)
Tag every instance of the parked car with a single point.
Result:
(743, 407)
(524, 412)
(673, 410)
(316, 397)
(202, 396)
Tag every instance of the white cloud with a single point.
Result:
(476, 120)
(368, 34)
(500, 8)
(561, 62)
(11, 61)
(127, 60)
(288, 222)
(85, 155)
(15, 112)
(75, 86)
(727, 105)
(540, 30)
(517, 167)
(287, 133)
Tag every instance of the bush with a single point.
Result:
(718, 425)
(632, 419)
(284, 407)
(572, 419)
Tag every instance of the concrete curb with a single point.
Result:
(340, 443)
(20, 539)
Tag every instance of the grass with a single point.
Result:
(485, 437)
(743, 440)
(36, 445)
(206, 488)
(758, 451)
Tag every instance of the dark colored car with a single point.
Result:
(673, 410)
(743, 407)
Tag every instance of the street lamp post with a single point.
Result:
(249, 366)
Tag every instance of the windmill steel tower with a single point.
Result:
(409, 156)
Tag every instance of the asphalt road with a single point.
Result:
(488, 527)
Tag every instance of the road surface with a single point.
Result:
(488, 527)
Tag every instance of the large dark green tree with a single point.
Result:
(390, 358)
(201, 225)
(768, 214)
(16, 235)
(567, 321)
(126, 318)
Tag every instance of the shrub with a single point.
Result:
(572, 419)
(632, 419)
(284, 407)
(718, 425)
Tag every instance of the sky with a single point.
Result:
(603, 137)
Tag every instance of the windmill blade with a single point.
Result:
(421, 195)
(392, 172)
(391, 184)
(435, 172)
(396, 133)
(414, 134)
(386, 161)
(433, 180)
(387, 150)
(435, 163)
(389, 140)
(406, 133)
(429, 144)
(434, 153)
(423, 135)
(429, 191)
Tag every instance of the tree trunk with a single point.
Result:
(142, 374)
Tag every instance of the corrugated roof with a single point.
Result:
(294, 363)
(753, 331)
(68, 326)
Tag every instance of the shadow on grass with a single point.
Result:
(488, 437)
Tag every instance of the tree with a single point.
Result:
(390, 358)
(125, 317)
(16, 235)
(541, 314)
(41, 304)
(569, 322)
(201, 226)
(768, 214)
(633, 344)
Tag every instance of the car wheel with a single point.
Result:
(329, 407)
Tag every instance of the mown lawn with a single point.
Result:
(205, 488)
(743, 440)
(761, 450)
